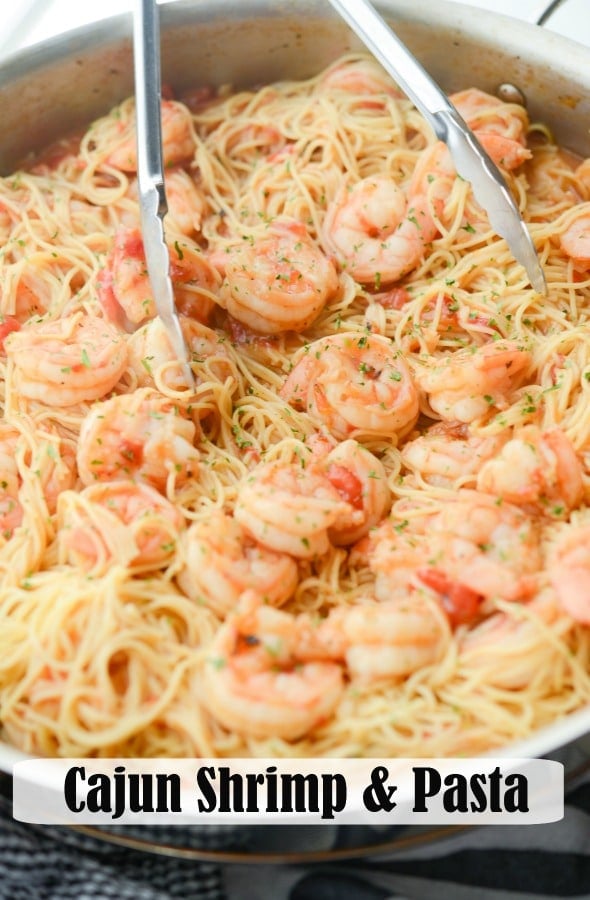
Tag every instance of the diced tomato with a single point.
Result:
(131, 451)
(7, 326)
(395, 298)
(129, 242)
(346, 483)
(459, 602)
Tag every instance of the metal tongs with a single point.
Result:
(150, 174)
(470, 159)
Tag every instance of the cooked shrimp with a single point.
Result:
(361, 480)
(506, 153)
(486, 113)
(32, 297)
(569, 570)
(402, 562)
(468, 383)
(486, 545)
(377, 234)
(124, 289)
(510, 646)
(392, 639)
(290, 509)
(360, 76)
(392, 548)
(472, 548)
(186, 203)
(151, 354)
(278, 282)
(433, 180)
(220, 561)
(354, 383)
(575, 240)
(447, 455)
(248, 141)
(178, 142)
(72, 360)
(500, 127)
(142, 436)
(537, 469)
(255, 683)
(120, 523)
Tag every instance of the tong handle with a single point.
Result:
(148, 90)
(385, 45)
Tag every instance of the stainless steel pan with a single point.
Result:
(54, 88)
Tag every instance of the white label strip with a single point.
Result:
(312, 791)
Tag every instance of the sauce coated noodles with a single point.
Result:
(366, 532)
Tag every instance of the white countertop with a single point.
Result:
(25, 22)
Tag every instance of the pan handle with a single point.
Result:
(540, 18)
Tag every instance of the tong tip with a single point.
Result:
(538, 280)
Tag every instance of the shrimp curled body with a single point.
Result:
(279, 282)
(575, 240)
(291, 510)
(256, 683)
(360, 479)
(377, 641)
(536, 469)
(467, 384)
(140, 436)
(221, 562)
(178, 143)
(354, 383)
(117, 522)
(376, 234)
(124, 288)
(71, 360)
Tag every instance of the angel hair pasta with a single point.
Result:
(366, 531)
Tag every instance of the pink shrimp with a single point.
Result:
(575, 240)
(139, 436)
(352, 383)
(220, 561)
(364, 80)
(535, 469)
(376, 232)
(569, 569)
(467, 384)
(178, 142)
(471, 548)
(68, 361)
(278, 282)
(119, 522)
(256, 682)
(500, 127)
(360, 479)
(124, 289)
(447, 454)
(290, 509)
